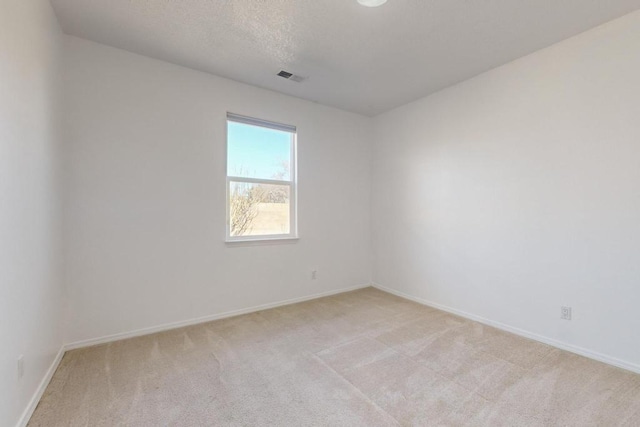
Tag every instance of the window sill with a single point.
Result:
(255, 241)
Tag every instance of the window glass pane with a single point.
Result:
(258, 209)
(257, 152)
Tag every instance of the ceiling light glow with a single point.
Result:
(372, 3)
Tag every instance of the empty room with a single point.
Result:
(319, 213)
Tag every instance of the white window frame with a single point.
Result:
(291, 183)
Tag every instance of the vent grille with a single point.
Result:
(285, 74)
(290, 76)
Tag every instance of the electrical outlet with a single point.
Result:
(565, 313)
(314, 274)
(20, 366)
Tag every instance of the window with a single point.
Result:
(261, 179)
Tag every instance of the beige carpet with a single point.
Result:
(364, 358)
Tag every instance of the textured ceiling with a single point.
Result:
(366, 60)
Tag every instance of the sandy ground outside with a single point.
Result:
(272, 218)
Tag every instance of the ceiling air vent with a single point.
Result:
(285, 74)
(290, 76)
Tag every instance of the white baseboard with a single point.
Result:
(536, 337)
(35, 399)
(204, 319)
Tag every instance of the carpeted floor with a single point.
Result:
(364, 358)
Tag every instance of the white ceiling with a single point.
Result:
(366, 60)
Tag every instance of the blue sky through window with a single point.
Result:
(257, 152)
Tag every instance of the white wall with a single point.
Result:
(31, 297)
(518, 191)
(145, 195)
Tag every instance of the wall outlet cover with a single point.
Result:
(20, 366)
